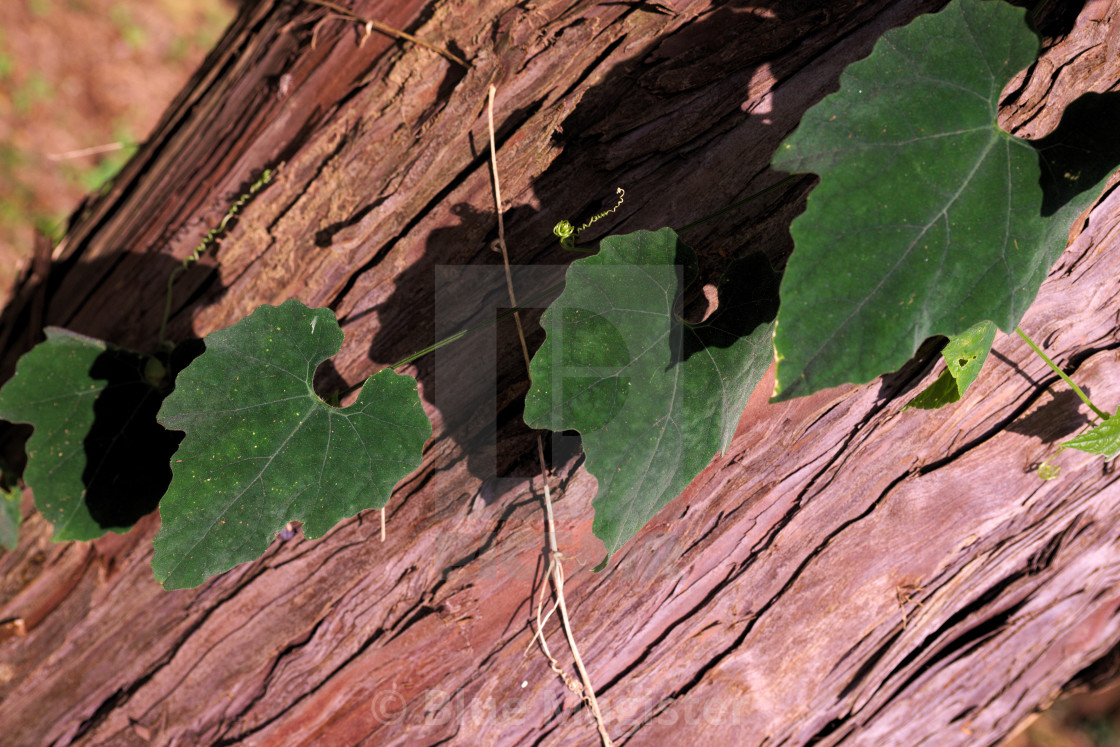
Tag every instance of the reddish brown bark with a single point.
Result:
(848, 572)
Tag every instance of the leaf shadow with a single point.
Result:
(477, 382)
(128, 453)
(1055, 420)
(747, 297)
(647, 119)
(1081, 151)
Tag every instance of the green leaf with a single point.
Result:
(928, 217)
(964, 357)
(97, 459)
(1103, 439)
(653, 397)
(10, 518)
(262, 449)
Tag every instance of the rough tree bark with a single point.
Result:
(847, 573)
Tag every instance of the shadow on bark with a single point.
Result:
(661, 100)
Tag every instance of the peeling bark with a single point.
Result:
(846, 573)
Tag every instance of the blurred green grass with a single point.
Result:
(82, 82)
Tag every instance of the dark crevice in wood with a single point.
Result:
(962, 715)
(830, 729)
(1045, 555)
(701, 671)
(1076, 358)
(324, 236)
(757, 615)
(653, 645)
(418, 613)
(124, 694)
(239, 737)
(943, 653)
(500, 523)
(305, 547)
(701, 539)
(993, 431)
(1101, 672)
(367, 643)
(543, 738)
(868, 664)
(107, 706)
(280, 658)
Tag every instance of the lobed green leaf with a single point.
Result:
(1104, 439)
(654, 398)
(262, 449)
(928, 218)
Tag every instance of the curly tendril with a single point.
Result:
(568, 233)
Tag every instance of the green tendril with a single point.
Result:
(568, 233)
(1049, 471)
(207, 241)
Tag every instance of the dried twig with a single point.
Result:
(555, 567)
(92, 151)
(372, 25)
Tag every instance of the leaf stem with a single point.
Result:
(532, 303)
(1061, 373)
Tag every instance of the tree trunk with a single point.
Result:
(846, 573)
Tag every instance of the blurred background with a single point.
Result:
(83, 82)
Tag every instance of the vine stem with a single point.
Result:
(1060, 372)
(555, 568)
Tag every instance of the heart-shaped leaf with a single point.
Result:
(653, 397)
(928, 217)
(262, 449)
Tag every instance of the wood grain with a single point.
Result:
(847, 573)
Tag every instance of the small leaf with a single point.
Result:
(1104, 439)
(97, 459)
(964, 357)
(262, 449)
(941, 392)
(653, 397)
(928, 217)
